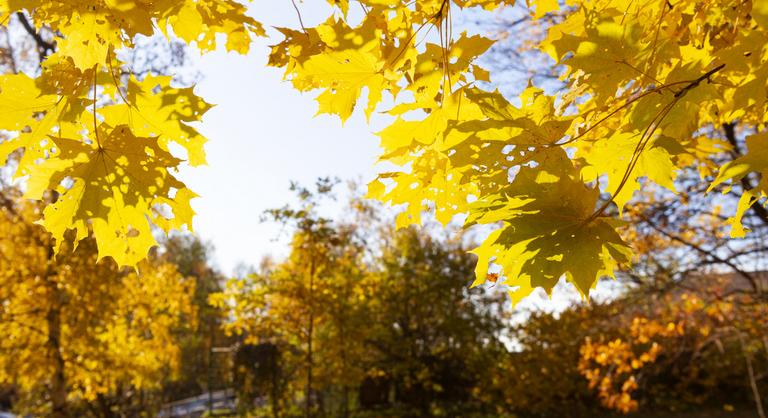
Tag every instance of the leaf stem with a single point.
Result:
(95, 121)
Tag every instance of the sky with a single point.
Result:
(263, 135)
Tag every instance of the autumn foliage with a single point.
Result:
(77, 330)
(644, 84)
(643, 158)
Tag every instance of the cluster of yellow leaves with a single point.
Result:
(716, 314)
(655, 75)
(611, 366)
(100, 139)
(107, 327)
(644, 79)
(93, 30)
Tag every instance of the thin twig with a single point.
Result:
(298, 13)
(43, 47)
(752, 381)
(701, 250)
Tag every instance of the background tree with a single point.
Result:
(82, 337)
(202, 368)
(395, 328)
(285, 304)
(431, 339)
(539, 377)
(680, 349)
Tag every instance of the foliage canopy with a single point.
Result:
(645, 84)
(76, 330)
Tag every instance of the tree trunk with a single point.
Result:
(344, 367)
(345, 402)
(210, 385)
(310, 330)
(58, 386)
(752, 380)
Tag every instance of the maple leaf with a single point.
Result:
(201, 21)
(534, 125)
(436, 66)
(166, 116)
(613, 156)
(25, 108)
(20, 98)
(111, 186)
(343, 75)
(594, 56)
(679, 112)
(754, 161)
(549, 230)
(432, 129)
(90, 38)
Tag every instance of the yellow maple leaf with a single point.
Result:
(33, 114)
(201, 21)
(754, 161)
(548, 231)
(593, 56)
(166, 116)
(613, 155)
(20, 98)
(90, 37)
(112, 186)
(343, 75)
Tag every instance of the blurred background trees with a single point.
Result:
(79, 335)
(395, 330)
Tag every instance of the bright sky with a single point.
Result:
(262, 135)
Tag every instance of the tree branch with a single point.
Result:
(703, 251)
(43, 47)
(730, 135)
